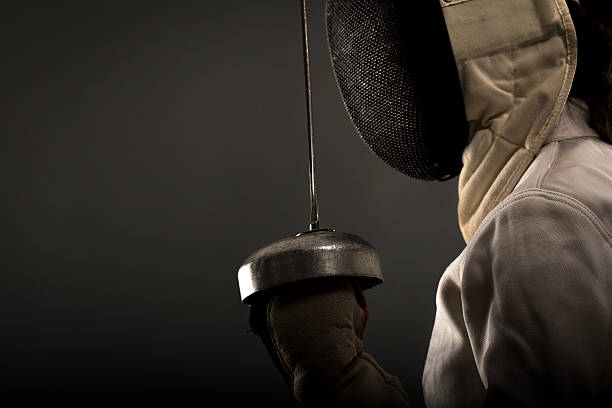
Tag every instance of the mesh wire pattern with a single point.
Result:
(380, 73)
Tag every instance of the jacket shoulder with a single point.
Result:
(537, 253)
(579, 168)
(535, 297)
(546, 219)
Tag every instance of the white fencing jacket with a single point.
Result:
(526, 310)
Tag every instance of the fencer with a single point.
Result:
(514, 97)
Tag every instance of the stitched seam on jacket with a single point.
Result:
(568, 59)
(551, 162)
(554, 113)
(548, 195)
(555, 197)
(524, 44)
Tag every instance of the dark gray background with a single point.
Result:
(147, 148)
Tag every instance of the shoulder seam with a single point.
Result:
(553, 196)
(551, 162)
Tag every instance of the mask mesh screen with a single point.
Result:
(370, 62)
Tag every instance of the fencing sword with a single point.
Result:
(314, 200)
(317, 252)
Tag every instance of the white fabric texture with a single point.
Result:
(516, 62)
(525, 311)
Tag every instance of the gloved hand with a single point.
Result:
(313, 330)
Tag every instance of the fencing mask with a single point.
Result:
(396, 72)
(441, 87)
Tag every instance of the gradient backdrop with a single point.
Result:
(147, 148)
